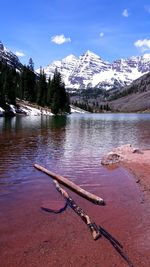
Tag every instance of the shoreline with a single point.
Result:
(136, 161)
(140, 169)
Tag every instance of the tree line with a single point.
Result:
(35, 88)
(93, 107)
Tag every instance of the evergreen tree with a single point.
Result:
(2, 78)
(31, 64)
(42, 89)
(28, 83)
(31, 77)
(22, 83)
(59, 100)
(49, 92)
(12, 81)
(8, 85)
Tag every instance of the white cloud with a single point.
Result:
(125, 13)
(101, 34)
(144, 45)
(60, 39)
(147, 8)
(19, 54)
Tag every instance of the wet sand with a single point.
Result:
(136, 160)
(139, 165)
(30, 237)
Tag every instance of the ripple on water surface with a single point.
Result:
(70, 145)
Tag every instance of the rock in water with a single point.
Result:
(118, 154)
(111, 158)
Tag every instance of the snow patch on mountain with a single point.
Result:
(1, 111)
(9, 57)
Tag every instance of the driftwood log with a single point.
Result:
(77, 189)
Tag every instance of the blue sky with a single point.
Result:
(51, 30)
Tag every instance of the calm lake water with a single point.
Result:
(70, 145)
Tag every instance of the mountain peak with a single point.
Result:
(1, 46)
(69, 58)
(146, 57)
(9, 57)
(90, 53)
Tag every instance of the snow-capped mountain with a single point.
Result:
(91, 71)
(8, 57)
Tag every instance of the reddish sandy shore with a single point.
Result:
(135, 160)
(30, 237)
(139, 165)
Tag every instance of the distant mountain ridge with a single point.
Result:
(91, 71)
(6, 56)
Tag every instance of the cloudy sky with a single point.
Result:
(48, 30)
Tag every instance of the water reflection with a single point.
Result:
(25, 140)
(66, 144)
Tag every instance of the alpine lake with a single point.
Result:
(72, 146)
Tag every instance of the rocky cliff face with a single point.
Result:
(91, 71)
(8, 57)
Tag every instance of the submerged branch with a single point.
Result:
(80, 212)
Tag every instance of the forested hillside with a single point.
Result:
(29, 86)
